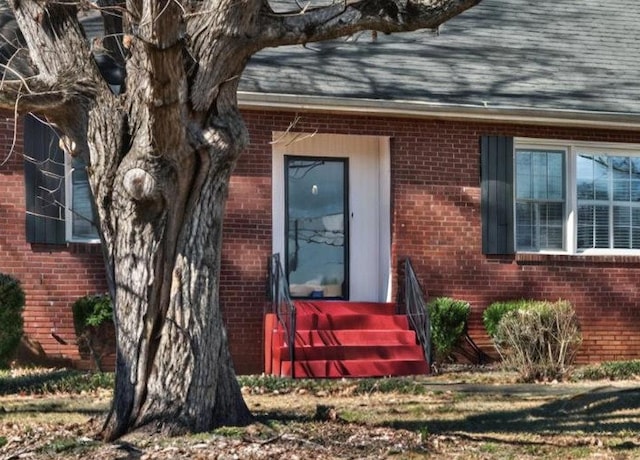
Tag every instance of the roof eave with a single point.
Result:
(417, 109)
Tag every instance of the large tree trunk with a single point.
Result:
(162, 225)
(161, 216)
(160, 171)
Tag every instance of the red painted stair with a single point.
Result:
(345, 339)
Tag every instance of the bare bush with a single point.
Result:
(539, 340)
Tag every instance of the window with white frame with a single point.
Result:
(80, 212)
(576, 198)
(608, 200)
(540, 199)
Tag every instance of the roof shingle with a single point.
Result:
(576, 55)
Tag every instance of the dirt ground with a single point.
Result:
(447, 417)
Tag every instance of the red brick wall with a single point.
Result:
(53, 277)
(246, 248)
(435, 221)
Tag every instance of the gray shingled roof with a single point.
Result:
(575, 55)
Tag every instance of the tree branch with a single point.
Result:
(221, 37)
(350, 16)
(61, 79)
(32, 95)
(55, 39)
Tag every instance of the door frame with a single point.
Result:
(375, 148)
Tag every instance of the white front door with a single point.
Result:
(366, 161)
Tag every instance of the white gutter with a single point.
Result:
(417, 109)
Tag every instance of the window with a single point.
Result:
(540, 199)
(576, 198)
(80, 213)
(559, 197)
(58, 201)
(608, 201)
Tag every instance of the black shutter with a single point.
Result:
(44, 183)
(496, 163)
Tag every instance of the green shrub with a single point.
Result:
(494, 313)
(93, 323)
(11, 305)
(611, 370)
(539, 339)
(448, 319)
(92, 311)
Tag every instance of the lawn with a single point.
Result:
(466, 415)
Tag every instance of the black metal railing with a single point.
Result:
(416, 310)
(282, 306)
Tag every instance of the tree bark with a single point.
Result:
(173, 365)
(159, 156)
(161, 214)
(161, 221)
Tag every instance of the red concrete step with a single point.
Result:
(345, 339)
(352, 337)
(355, 352)
(350, 321)
(355, 368)
(337, 307)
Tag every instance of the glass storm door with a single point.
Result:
(316, 227)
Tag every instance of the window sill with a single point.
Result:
(528, 258)
(81, 241)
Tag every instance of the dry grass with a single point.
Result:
(466, 415)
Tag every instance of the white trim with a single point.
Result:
(418, 109)
(571, 203)
(350, 146)
(385, 281)
(68, 198)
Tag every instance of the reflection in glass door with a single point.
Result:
(316, 227)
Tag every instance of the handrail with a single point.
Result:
(416, 310)
(282, 306)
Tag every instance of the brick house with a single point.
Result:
(500, 153)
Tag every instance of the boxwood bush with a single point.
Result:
(448, 324)
(494, 313)
(11, 305)
(538, 338)
(93, 323)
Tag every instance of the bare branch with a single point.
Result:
(220, 31)
(347, 17)
(52, 70)
(22, 82)
(30, 95)
(55, 40)
(297, 137)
